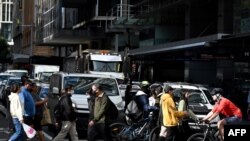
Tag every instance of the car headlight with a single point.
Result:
(73, 105)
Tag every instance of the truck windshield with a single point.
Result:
(44, 76)
(83, 84)
(106, 66)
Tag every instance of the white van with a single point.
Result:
(82, 83)
(18, 73)
(200, 100)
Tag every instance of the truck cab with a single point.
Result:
(81, 84)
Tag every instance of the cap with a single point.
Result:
(216, 91)
(168, 88)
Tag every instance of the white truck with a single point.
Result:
(93, 61)
(82, 83)
(42, 72)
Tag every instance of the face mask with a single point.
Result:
(88, 96)
(71, 92)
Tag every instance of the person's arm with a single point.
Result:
(21, 98)
(19, 109)
(174, 111)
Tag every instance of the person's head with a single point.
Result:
(216, 93)
(90, 93)
(69, 89)
(145, 87)
(97, 89)
(33, 87)
(184, 95)
(168, 89)
(14, 88)
(23, 79)
(28, 84)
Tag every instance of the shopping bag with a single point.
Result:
(30, 132)
(46, 117)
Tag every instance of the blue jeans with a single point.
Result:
(18, 135)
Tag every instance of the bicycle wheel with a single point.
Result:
(154, 134)
(199, 137)
(116, 128)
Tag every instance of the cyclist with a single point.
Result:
(224, 107)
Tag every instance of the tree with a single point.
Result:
(4, 52)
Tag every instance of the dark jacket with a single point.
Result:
(66, 109)
(101, 108)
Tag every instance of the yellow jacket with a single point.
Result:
(170, 114)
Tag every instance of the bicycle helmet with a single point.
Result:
(217, 92)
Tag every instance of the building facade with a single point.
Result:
(182, 40)
(6, 7)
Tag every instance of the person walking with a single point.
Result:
(170, 116)
(183, 123)
(39, 111)
(16, 113)
(68, 116)
(225, 107)
(27, 102)
(99, 125)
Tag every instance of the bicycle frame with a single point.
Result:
(208, 134)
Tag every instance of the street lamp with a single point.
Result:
(31, 37)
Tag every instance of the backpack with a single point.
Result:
(113, 111)
(132, 112)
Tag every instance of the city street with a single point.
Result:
(5, 132)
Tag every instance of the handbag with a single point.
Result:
(46, 117)
(30, 132)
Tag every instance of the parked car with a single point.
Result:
(81, 83)
(4, 77)
(200, 100)
(6, 88)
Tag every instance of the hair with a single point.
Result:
(23, 79)
(14, 88)
(98, 86)
(68, 88)
(27, 81)
(183, 97)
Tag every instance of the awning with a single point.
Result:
(184, 44)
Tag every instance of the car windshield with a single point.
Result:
(4, 77)
(195, 96)
(106, 66)
(83, 84)
(14, 81)
(209, 97)
(19, 74)
(44, 92)
(44, 76)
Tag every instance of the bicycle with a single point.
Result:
(136, 131)
(209, 132)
